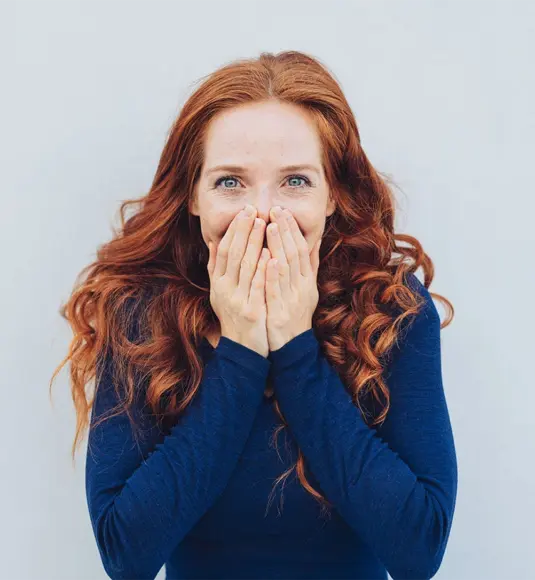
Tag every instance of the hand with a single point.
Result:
(237, 282)
(291, 287)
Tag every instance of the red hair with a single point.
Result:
(154, 271)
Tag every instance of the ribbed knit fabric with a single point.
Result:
(195, 499)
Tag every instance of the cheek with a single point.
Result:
(215, 224)
(311, 228)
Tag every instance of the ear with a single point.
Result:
(193, 207)
(331, 206)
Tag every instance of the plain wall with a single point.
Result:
(443, 94)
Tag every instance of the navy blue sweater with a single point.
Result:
(195, 498)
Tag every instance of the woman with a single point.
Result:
(207, 336)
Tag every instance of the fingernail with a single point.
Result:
(249, 210)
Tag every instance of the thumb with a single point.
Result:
(315, 256)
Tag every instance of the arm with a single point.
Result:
(395, 486)
(144, 499)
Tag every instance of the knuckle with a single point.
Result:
(234, 253)
(246, 263)
(249, 315)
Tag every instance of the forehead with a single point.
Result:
(262, 132)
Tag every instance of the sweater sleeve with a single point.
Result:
(396, 484)
(143, 498)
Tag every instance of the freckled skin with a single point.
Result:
(262, 137)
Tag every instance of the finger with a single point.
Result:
(222, 249)
(257, 294)
(276, 248)
(238, 245)
(253, 250)
(290, 249)
(273, 289)
(315, 257)
(303, 256)
(211, 259)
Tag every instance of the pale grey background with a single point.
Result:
(443, 93)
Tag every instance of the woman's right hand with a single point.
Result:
(237, 270)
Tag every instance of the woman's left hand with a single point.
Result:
(291, 286)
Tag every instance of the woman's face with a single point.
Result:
(259, 141)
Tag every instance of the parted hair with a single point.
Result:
(144, 305)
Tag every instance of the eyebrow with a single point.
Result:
(239, 169)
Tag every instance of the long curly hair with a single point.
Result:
(153, 275)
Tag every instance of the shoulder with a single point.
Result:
(132, 314)
(423, 326)
(127, 319)
(428, 310)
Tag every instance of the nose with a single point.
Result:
(263, 211)
(263, 214)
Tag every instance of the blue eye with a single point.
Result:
(225, 178)
(300, 177)
(233, 178)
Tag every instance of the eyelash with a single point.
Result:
(224, 177)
